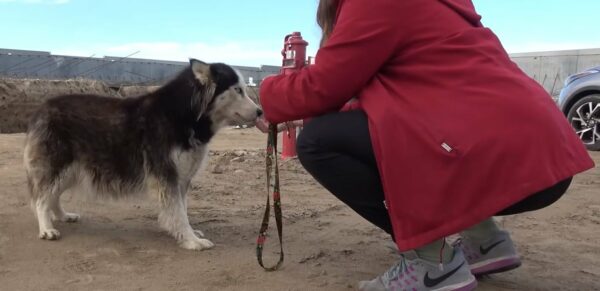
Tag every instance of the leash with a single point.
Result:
(272, 174)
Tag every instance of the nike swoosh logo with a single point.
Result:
(431, 282)
(484, 251)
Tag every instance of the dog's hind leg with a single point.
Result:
(173, 217)
(45, 200)
(58, 213)
(40, 188)
(45, 190)
(42, 207)
(61, 184)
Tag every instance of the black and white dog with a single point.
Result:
(116, 148)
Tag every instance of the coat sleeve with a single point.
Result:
(364, 39)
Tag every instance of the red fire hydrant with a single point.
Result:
(294, 58)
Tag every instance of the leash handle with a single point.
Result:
(272, 182)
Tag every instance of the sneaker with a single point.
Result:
(420, 275)
(495, 255)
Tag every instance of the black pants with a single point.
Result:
(336, 150)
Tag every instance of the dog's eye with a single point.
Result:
(239, 90)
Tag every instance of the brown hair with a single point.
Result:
(326, 18)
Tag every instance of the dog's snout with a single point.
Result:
(259, 112)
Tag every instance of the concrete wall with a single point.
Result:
(551, 69)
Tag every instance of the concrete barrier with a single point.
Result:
(115, 71)
(551, 69)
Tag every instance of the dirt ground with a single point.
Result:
(118, 246)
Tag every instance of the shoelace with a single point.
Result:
(400, 275)
(396, 269)
(467, 249)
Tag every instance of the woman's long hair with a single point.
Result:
(326, 18)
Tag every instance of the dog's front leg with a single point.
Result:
(184, 185)
(173, 217)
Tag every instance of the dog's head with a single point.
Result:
(225, 99)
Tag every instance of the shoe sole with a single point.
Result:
(465, 286)
(469, 287)
(496, 266)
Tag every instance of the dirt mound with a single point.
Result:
(130, 91)
(19, 98)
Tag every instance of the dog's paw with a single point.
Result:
(70, 217)
(198, 233)
(50, 234)
(198, 244)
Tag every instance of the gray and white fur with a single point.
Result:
(116, 148)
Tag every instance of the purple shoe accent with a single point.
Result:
(497, 267)
(469, 287)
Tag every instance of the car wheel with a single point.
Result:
(584, 117)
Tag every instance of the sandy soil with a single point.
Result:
(118, 246)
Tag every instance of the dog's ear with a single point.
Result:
(201, 71)
(203, 95)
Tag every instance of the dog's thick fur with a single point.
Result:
(116, 147)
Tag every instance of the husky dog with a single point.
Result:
(117, 147)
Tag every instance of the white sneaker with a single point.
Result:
(420, 275)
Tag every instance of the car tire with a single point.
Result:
(584, 117)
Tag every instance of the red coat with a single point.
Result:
(459, 131)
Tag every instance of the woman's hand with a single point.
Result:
(263, 125)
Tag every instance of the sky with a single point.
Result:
(243, 32)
